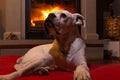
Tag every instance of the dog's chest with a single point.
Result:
(66, 62)
(59, 58)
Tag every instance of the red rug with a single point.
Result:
(97, 71)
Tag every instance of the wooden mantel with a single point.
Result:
(20, 47)
(13, 44)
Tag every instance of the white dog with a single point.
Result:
(65, 53)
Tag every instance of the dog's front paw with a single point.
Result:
(81, 73)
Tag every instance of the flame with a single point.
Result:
(32, 23)
(46, 12)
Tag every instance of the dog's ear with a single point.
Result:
(79, 19)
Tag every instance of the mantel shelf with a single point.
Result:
(8, 44)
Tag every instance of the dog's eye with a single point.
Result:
(63, 15)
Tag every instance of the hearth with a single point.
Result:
(37, 11)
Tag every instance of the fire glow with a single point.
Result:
(44, 13)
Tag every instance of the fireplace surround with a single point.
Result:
(36, 10)
(14, 13)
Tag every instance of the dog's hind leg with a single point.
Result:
(22, 71)
(19, 60)
(10, 76)
(44, 70)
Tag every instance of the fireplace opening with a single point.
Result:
(38, 10)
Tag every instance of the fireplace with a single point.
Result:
(37, 11)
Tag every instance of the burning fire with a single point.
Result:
(45, 13)
(32, 23)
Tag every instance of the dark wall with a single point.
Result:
(99, 24)
(102, 7)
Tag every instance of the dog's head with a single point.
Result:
(62, 21)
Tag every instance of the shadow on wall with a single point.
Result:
(1, 26)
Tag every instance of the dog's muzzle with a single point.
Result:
(49, 23)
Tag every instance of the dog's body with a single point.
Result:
(66, 52)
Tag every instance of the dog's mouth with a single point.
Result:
(48, 24)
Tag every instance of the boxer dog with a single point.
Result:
(65, 53)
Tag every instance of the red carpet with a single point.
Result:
(98, 72)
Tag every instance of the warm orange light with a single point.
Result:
(46, 12)
(32, 23)
(42, 13)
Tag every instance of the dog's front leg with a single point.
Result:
(81, 73)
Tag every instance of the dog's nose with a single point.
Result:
(51, 15)
(49, 20)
